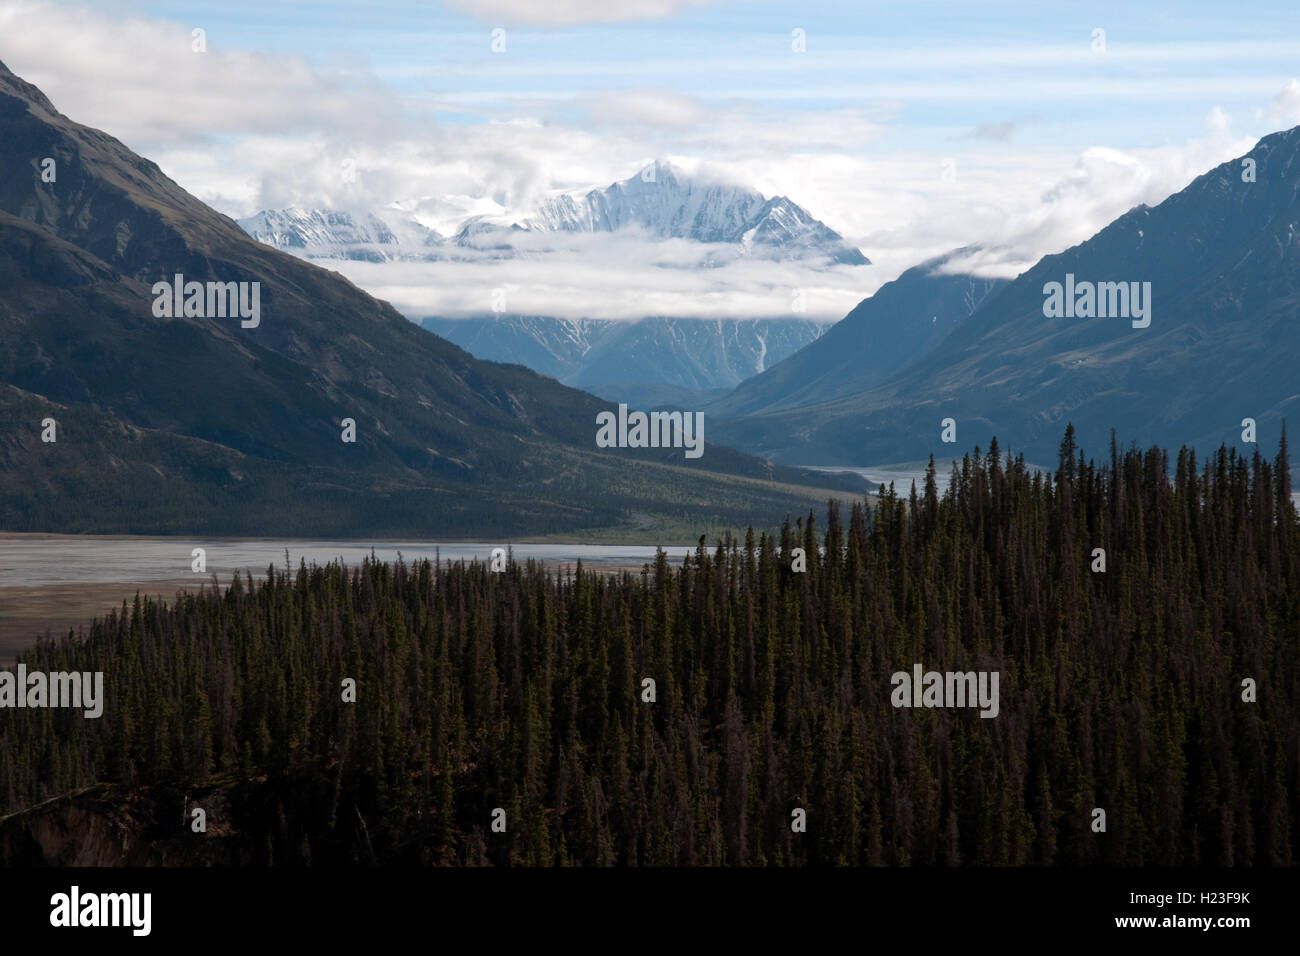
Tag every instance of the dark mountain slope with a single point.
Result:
(611, 357)
(1223, 260)
(901, 321)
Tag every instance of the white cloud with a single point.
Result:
(142, 81)
(1018, 205)
(1284, 111)
(997, 132)
(888, 57)
(567, 12)
(1103, 185)
(620, 276)
(642, 108)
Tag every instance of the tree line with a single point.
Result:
(524, 691)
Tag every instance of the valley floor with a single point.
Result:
(29, 612)
(56, 583)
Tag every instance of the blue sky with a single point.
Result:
(910, 128)
(942, 66)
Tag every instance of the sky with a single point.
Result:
(912, 129)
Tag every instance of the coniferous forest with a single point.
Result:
(1121, 689)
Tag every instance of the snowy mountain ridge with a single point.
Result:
(661, 201)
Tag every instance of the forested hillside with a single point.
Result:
(523, 690)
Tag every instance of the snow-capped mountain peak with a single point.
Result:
(320, 233)
(667, 203)
(662, 201)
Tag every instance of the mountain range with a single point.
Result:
(660, 202)
(680, 361)
(326, 234)
(196, 422)
(1215, 267)
(170, 423)
(643, 362)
